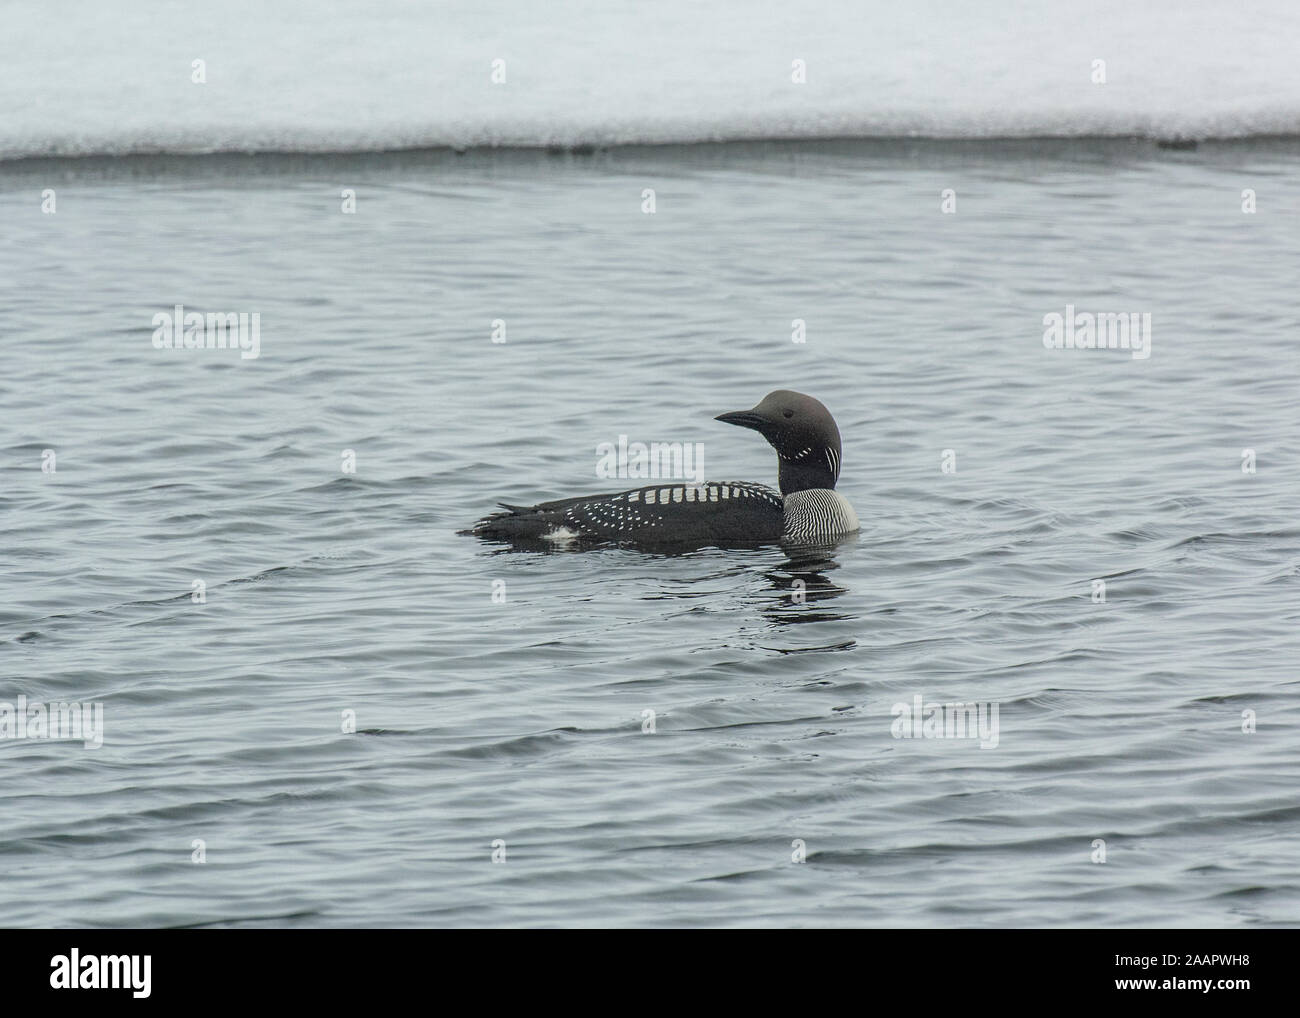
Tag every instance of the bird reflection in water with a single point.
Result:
(805, 577)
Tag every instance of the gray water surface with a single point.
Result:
(522, 720)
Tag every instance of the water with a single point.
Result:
(329, 592)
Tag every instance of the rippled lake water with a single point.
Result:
(521, 719)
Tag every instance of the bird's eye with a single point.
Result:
(787, 414)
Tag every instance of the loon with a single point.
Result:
(807, 508)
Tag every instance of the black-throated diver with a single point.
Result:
(807, 508)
